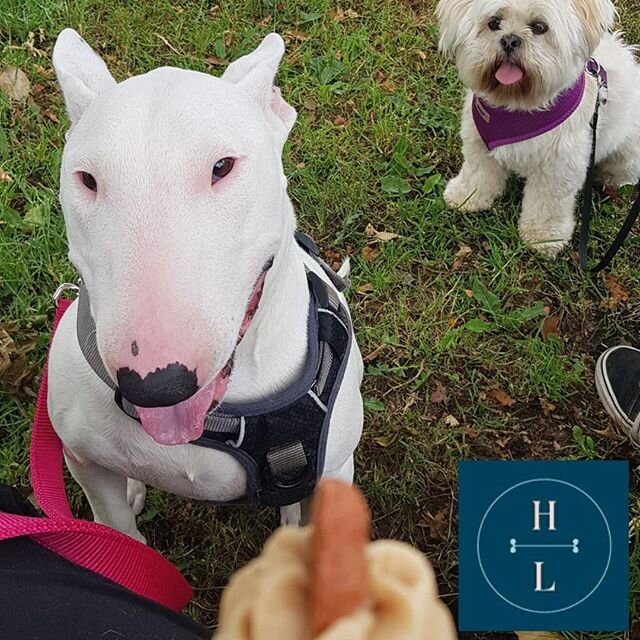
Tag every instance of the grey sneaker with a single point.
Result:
(618, 384)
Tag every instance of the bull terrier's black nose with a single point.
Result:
(160, 388)
(510, 42)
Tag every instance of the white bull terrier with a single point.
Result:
(179, 222)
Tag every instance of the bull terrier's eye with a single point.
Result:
(495, 23)
(221, 169)
(539, 28)
(88, 181)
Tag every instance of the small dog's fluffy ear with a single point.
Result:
(453, 26)
(597, 18)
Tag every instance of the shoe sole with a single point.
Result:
(607, 396)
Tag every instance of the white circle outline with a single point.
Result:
(515, 486)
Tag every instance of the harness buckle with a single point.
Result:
(65, 286)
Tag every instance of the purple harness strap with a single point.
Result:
(498, 126)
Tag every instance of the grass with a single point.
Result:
(375, 142)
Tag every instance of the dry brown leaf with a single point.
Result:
(333, 259)
(4, 176)
(369, 254)
(451, 421)
(501, 397)
(375, 354)
(50, 115)
(340, 15)
(299, 36)
(617, 293)
(538, 635)
(379, 236)
(16, 372)
(14, 83)
(340, 121)
(547, 407)
(214, 61)
(364, 288)
(421, 54)
(265, 21)
(439, 395)
(310, 104)
(437, 525)
(461, 256)
(389, 85)
(550, 327)
(469, 293)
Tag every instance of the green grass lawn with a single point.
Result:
(449, 314)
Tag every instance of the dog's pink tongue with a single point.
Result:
(183, 422)
(509, 73)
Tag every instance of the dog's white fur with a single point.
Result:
(554, 164)
(170, 261)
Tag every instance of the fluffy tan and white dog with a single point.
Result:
(524, 55)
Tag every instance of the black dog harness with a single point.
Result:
(280, 442)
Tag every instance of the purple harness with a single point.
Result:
(498, 126)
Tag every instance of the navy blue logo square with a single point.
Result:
(544, 546)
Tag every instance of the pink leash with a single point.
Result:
(93, 546)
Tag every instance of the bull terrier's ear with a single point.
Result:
(255, 73)
(82, 74)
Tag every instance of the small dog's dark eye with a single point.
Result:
(88, 181)
(539, 28)
(494, 24)
(221, 169)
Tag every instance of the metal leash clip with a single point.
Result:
(65, 286)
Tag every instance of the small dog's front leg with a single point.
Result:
(547, 221)
(107, 495)
(480, 181)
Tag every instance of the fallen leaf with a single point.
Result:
(450, 421)
(16, 372)
(378, 351)
(501, 397)
(369, 254)
(550, 327)
(469, 293)
(310, 104)
(439, 395)
(547, 407)
(333, 259)
(50, 115)
(380, 236)
(214, 61)
(265, 21)
(14, 83)
(389, 85)
(340, 15)
(340, 121)
(4, 176)
(461, 256)
(364, 288)
(617, 293)
(421, 54)
(385, 441)
(437, 525)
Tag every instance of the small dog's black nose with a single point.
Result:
(510, 42)
(160, 388)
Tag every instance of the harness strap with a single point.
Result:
(308, 244)
(600, 74)
(287, 463)
(95, 547)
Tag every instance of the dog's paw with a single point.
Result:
(291, 515)
(136, 494)
(460, 195)
(543, 242)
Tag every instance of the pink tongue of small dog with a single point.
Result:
(183, 422)
(509, 73)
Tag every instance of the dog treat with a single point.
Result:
(341, 532)
(299, 588)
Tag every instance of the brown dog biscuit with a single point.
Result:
(341, 531)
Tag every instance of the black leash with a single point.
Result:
(587, 197)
